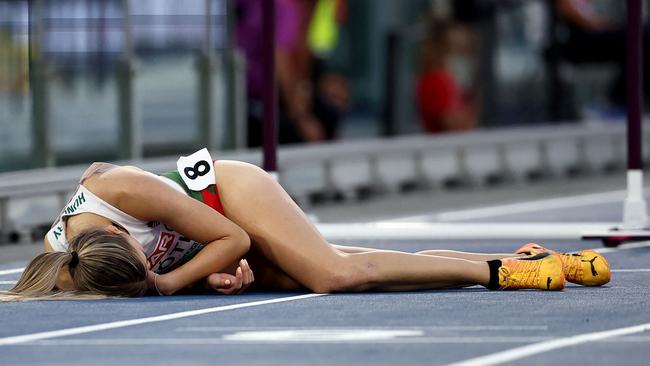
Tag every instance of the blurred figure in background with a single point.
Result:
(595, 36)
(13, 66)
(310, 99)
(479, 17)
(447, 96)
(332, 95)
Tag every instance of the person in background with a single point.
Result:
(309, 104)
(446, 92)
(13, 67)
(593, 36)
(331, 98)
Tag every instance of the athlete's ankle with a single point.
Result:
(493, 282)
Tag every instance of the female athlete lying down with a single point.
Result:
(126, 232)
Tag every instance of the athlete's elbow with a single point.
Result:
(242, 242)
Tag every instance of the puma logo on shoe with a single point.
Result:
(593, 268)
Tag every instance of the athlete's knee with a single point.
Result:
(348, 275)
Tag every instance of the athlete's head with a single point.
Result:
(98, 263)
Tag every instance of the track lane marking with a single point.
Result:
(221, 341)
(428, 327)
(631, 270)
(545, 346)
(521, 207)
(623, 247)
(10, 271)
(216, 341)
(153, 319)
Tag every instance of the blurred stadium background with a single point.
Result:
(64, 81)
(384, 96)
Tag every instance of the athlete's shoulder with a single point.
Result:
(115, 184)
(122, 171)
(120, 176)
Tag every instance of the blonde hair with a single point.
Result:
(108, 265)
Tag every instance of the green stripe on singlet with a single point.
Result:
(176, 177)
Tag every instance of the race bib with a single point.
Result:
(197, 170)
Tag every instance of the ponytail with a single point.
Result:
(101, 264)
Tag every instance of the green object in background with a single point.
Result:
(323, 29)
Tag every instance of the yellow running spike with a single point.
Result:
(586, 267)
(542, 271)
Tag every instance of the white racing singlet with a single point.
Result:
(164, 247)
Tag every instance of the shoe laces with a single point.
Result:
(572, 265)
(521, 273)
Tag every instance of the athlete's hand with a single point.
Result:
(229, 284)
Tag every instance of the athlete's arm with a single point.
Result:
(47, 246)
(146, 198)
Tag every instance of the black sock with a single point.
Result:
(494, 274)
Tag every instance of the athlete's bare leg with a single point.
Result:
(271, 278)
(437, 253)
(285, 236)
(470, 256)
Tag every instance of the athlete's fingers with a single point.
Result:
(251, 277)
(244, 276)
(228, 284)
(240, 277)
(241, 284)
(247, 272)
(252, 274)
(231, 289)
(220, 280)
(248, 276)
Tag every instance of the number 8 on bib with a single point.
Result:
(197, 170)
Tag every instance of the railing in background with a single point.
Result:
(38, 75)
(221, 124)
(130, 124)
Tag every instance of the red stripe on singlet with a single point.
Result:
(212, 199)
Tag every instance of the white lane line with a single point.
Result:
(521, 207)
(427, 328)
(10, 271)
(633, 270)
(545, 346)
(322, 335)
(216, 341)
(153, 319)
(623, 247)
(458, 230)
(220, 341)
(631, 339)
